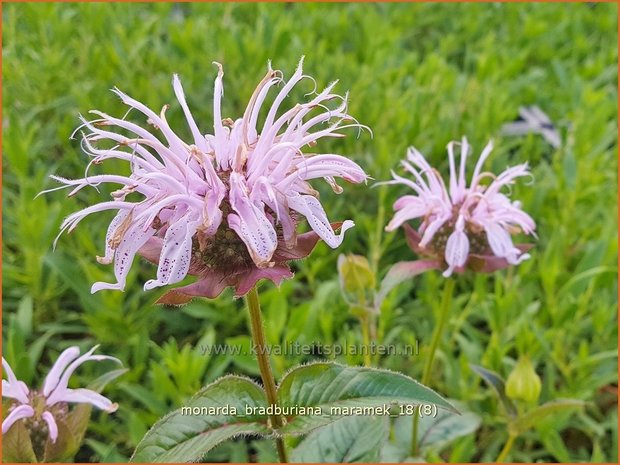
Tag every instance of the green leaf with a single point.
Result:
(498, 385)
(24, 315)
(16, 445)
(77, 423)
(555, 444)
(531, 418)
(445, 428)
(434, 432)
(333, 388)
(100, 383)
(401, 272)
(348, 440)
(36, 347)
(242, 356)
(183, 437)
(78, 418)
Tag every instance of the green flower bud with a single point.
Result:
(523, 383)
(357, 280)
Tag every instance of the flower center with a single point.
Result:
(478, 243)
(224, 251)
(35, 425)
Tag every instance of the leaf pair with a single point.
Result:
(183, 436)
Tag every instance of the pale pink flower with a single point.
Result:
(46, 405)
(462, 224)
(224, 206)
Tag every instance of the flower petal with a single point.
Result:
(62, 386)
(18, 413)
(175, 254)
(134, 238)
(199, 139)
(251, 224)
(321, 166)
(433, 227)
(62, 362)
(151, 250)
(457, 250)
(312, 209)
(116, 222)
(51, 425)
(86, 396)
(14, 389)
(501, 243)
(407, 208)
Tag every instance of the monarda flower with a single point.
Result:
(41, 409)
(225, 206)
(462, 225)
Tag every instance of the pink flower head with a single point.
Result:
(466, 225)
(224, 206)
(50, 403)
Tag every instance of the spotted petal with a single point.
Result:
(174, 260)
(132, 240)
(251, 224)
(312, 209)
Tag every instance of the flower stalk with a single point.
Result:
(258, 339)
(506, 449)
(365, 323)
(444, 312)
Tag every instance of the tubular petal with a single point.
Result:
(51, 425)
(251, 224)
(87, 396)
(18, 390)
(62, 362)
(311, 208)
(18, 413)
(175, 256)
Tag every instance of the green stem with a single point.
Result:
(502, 455)
(258, 337)
(444, 312)
(365, 322)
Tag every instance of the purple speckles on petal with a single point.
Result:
(175, 255)
(251, 224)
(134, 238)
(312, 209)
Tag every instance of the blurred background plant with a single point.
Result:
(420, 74)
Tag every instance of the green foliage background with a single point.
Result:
(420, 74)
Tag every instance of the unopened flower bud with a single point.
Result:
(357, 280)
(523, 383)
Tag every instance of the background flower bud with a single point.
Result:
(357, 280)
(523, 383)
